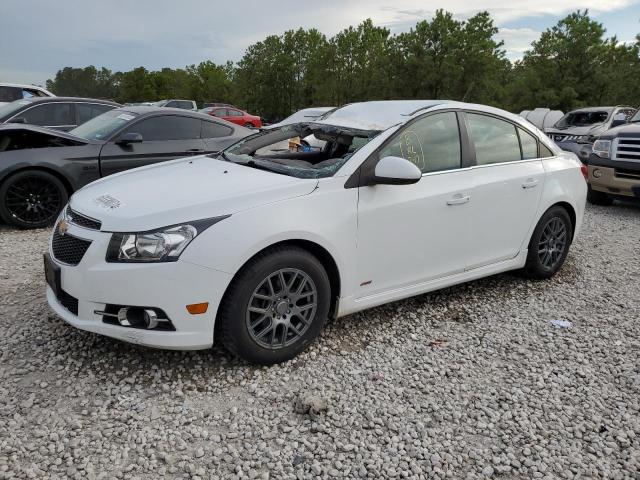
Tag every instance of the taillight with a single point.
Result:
(585, 171)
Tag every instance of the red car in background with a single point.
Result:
(235, 115)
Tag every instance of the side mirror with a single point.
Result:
(129, 138)
(618, 120)
(18, 120)
(395, 171)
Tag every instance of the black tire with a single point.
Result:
(249, 125)
(598, 198)
(544, 258)
(235, 317)
(32, 199)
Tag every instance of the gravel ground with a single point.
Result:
(469, 382)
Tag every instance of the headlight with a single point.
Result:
(602, 148)
(161, 245)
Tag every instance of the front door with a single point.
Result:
(164, 137)
(409, 234)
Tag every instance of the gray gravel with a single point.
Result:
(470, 382)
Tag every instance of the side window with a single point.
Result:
(545, 152)
(235, 113)
(51, 114)
(9, 94)
(529, 145)
(186, 105)
(167, 127)
(215, 130)
(86, 111)
(431, 143)
(221, 112)
(495, 140)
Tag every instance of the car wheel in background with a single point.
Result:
(598, 198)
(249, 125)
(31, 199)
(549, 244)
(275, 306)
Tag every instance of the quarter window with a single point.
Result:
(215, 130)
(495, 141)
(221, 112)
(431, 143)
(529, 145)
(51, 114)
(168, 127)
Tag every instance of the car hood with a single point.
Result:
(6, 127)
(587, 130)
(626, 130)
(180, 191)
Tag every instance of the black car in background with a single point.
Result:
(59, 113)
(40, 168)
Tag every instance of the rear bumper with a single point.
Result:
(608, 180)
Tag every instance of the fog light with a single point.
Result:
(597, 173)
(198, 308)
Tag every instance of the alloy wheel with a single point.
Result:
(552, 243)
(33, 200)
(281, 308)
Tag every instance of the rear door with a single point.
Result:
(165, 137)
(508, 180)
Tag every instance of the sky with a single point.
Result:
(39, 37)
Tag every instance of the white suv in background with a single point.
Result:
(10, 92)
(404, 198)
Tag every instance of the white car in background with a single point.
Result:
(406, 197)
(10, 92)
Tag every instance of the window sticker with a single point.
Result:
(411, 149)
(126, 117)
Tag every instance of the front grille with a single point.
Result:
(628, 149)
(82, 220)
(68, 302)
(630, 174)
(68, 249)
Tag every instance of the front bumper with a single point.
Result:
(611, 181)
(168, 286)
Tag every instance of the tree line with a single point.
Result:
(572, 64)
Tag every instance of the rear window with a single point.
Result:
(583, 118)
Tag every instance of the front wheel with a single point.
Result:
(276, 306)
(31, 199)
(249, 125)
(549, 244)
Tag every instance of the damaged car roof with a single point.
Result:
(376, 115)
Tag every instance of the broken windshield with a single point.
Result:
(302, 150)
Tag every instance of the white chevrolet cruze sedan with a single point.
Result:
(261, 248)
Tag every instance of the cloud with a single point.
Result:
(123, 34)
(517, 40)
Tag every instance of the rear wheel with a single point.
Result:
(249, 125)
(549, 244)
(275, 306)
(31, 199)
(598, 198)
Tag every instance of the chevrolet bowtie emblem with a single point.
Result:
(63, 226)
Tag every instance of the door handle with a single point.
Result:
(458, 199)
(530, 183)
